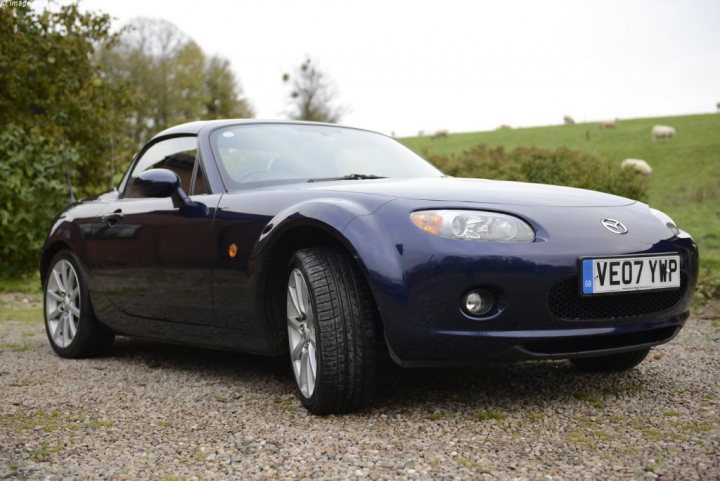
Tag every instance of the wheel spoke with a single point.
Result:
(66, 331)
(57, 297)
(304, 374)
(52, 327)
(310, 374)
(63, 276)
(66, 276)
(75, 310)
(294, 325)
(57, 335)
(301, 290)
(312, 357)
(297, 351)
(292, 293)
(58, 280)
(73, 328)
(53, 315)
(310, 322)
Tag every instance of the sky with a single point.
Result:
(408, 66)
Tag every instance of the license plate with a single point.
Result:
(623, 274)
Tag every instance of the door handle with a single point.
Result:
(113, 217)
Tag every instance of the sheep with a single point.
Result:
(718, 106)
(662, 132)
(608, 124)
(439, 134)
(504, 127)
(568, 120)
(638, 165)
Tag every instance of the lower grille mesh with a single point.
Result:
(565, 302)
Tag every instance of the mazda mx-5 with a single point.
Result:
(338, 246)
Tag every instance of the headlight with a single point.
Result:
(665, 219)
(473, 225)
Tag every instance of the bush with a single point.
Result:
(531, 164)
(708, 287)
(32, 192)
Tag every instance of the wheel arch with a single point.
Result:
(71, 230)
(277, 254)
(47, 255)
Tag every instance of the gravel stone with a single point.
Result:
(152, 411)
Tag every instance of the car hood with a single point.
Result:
(450, 189)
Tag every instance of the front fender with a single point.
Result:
(330, 213)
(72, 229)
(380, 261)
(361, 233)
(248, 291)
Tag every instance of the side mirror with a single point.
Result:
(157, 183)
(166, 183)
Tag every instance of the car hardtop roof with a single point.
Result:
(194, 128)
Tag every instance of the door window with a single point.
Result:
(178, 154)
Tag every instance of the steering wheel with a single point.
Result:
(269, 169)
(246, 176)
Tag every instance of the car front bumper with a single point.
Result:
(443, 347)
(538, 312)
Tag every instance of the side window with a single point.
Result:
(178, 154)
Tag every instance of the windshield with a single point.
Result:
(257, 155)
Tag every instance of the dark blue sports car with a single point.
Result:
(337, 246)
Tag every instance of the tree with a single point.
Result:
(74, 94)
(51, 86)
(173, 80)
(60, 114)
(224, 96)
(312, 94)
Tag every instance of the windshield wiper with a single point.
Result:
(348, 177)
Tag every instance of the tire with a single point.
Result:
(612, 363)
(70, 323)
(337, 331)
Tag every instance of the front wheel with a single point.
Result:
(611, 363)
(331, 331)
(70, 323)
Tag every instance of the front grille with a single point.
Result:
(566, 302)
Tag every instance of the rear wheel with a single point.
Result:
(611, 363)
(70, 323)
(331, 331)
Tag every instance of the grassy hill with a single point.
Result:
(686, 169)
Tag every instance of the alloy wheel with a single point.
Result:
(301, 333)
(62, 303)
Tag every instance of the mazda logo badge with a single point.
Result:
(614, 226)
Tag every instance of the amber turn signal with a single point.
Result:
(232, 250)
(427, 221)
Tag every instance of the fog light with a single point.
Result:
(478, 302)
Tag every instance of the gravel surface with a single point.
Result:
(151, 411)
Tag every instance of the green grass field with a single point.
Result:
(686, 169)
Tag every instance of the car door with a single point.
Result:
(154, 260)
